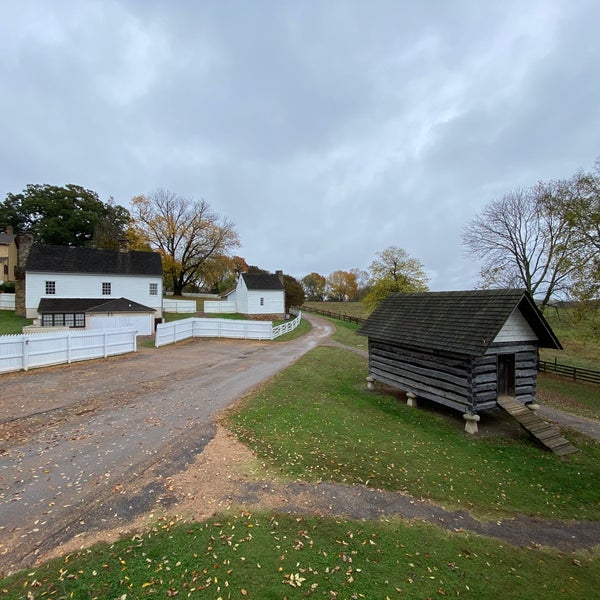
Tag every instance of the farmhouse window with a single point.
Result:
(262, 301)
(154, 289)
(106, 288)
(50, 287)
(63, 320)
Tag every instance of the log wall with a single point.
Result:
(460, 382)
(441, 378)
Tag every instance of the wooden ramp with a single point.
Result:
(543, 432)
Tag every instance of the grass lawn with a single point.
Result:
(267, 555)
(11, 324)
(372, 439)
(575, 397)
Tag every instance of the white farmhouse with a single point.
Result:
(92, 288)
(259, 295)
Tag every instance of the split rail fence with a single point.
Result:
(26, 351)
(574, 373)
(334, 315)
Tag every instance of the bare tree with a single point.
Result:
(186, 232)
(524, 239)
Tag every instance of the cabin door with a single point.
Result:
(506, 375)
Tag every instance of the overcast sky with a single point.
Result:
(326, 131)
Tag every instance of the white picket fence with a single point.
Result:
(175, 331)
(179, 306)
(219, 306)
(7, 301)
(27, 351)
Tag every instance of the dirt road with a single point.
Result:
(90, 445)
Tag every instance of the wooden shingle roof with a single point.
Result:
(262, 281)
(456, 322)
(68, 259)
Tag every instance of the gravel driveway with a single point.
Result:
(88, 445)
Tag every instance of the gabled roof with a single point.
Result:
(120, 305)
(457, 322)
(73, 305)
(71, 259)
(262, 281)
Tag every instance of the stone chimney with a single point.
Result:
(9, 230)
(280, 276)
(24, 242)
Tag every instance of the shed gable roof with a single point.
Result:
(457, 322)
(262, 281)
(70, 259)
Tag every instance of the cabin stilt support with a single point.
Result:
(471, 422)
(411, 400)
(533, 407)
(370, 383)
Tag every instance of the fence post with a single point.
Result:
(25, 353)
(68, 349)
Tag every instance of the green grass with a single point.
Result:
(352, 309)
(11, 324)
(373, 439)
(574, 397)
(265, 555)
(580, 339)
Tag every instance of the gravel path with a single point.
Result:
(88, 445)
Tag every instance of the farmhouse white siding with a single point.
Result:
(77, 285)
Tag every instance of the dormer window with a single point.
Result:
(106, 289)
(50, 288)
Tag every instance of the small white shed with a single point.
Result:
(259, 295)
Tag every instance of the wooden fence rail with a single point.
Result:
(334, 315)
(574, 373)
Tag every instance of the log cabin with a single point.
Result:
(460, 349)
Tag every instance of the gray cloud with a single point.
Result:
(325, 131)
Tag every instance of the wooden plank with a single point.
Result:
(546, 434)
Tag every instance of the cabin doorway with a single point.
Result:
(506, 375)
